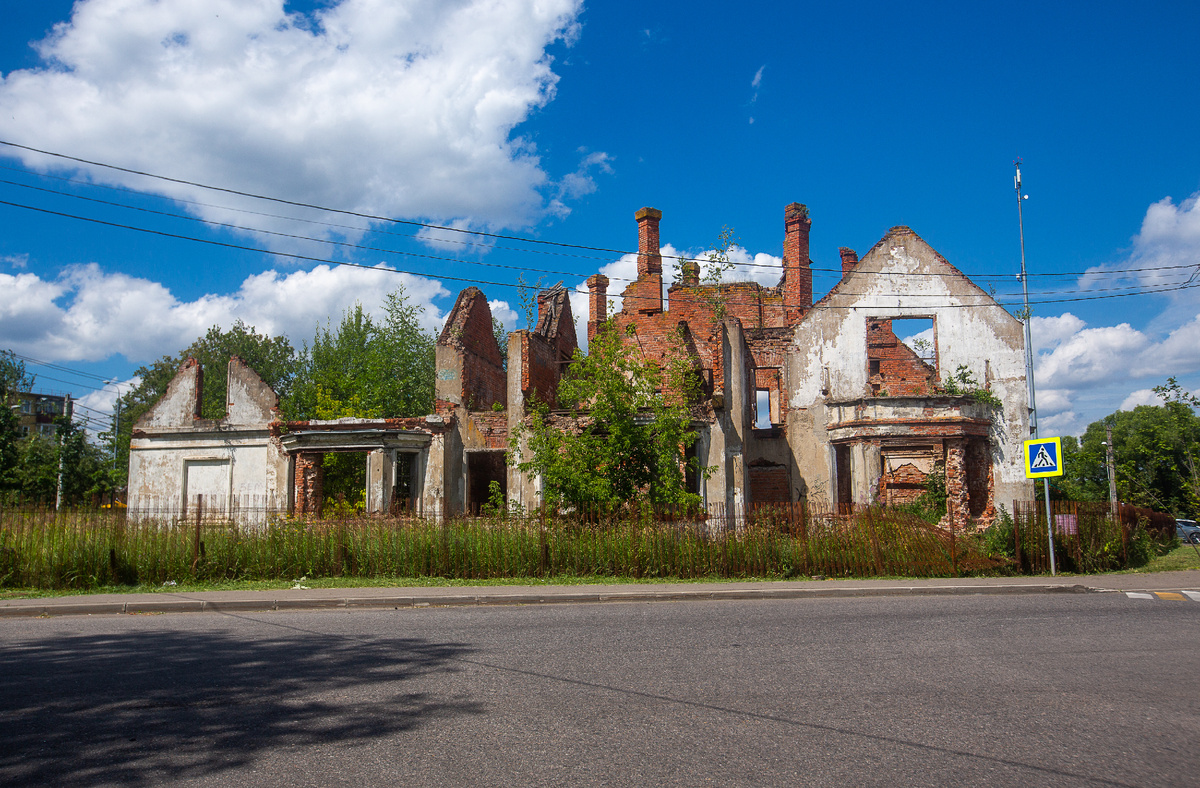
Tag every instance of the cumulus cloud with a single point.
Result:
(1165, 253)
(90, 314)
(1081, 371)
(1141, 397)
(102, 402)
(386, 107)
(1050, 332)
(504, 313)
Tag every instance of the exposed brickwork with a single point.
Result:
(903, 485)
(980, 485)
(597, 303)
(769, 484)
(548, 349)
(309, 483)
(893, 369)
(849, 260)
(493, 426)
(958, 501)
(649, 256)
(470, 368)
(797, 268)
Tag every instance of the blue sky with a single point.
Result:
(555, 121)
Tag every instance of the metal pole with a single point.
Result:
(1029, 384)
(1112, 471)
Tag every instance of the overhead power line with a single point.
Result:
(411, 223)
(475, 281)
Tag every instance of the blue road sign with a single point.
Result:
(1043, 457)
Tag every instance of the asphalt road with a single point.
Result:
(1062, 690)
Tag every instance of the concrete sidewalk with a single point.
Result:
(365, 598)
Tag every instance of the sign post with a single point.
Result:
(1043, 459)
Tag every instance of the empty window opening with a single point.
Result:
(762, 409)
(901, 356)
(345, 485)
(404, 482)
(917, 334)
(487, 479)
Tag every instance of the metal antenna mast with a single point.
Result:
(1027, 319)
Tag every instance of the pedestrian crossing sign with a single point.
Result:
(1043, 457)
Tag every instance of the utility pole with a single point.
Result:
(1112, 471)
(1029, 385)
(69, 414)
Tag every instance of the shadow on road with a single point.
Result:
(136, 708)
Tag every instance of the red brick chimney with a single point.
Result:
(648, 292)
(597, 303)
(797, 269)
(649, 256)
(849, 260)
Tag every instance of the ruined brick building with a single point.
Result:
(820, 401)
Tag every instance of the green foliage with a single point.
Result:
(496, 505)
(86, 470)
(527, 298)
(930, 506)
(501, 334)
(13, 380)
(345, 483)
(632, 439)
(963, 384)
(271, 357)
(1156, 453)
(366, 369)
(88, 549)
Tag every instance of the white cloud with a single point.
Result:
(582, 182)
(1165, 253)
(17, 261)
(1050, 332)
(1067, 422)
(1090, 356)
(1141, 397)
(386, 107)
(89, 314)
(504, 313)
(757, 81)
(1082, 372)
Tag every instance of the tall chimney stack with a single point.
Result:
(797, 269)
(597, 303)
(647, 291)
(649, 254)
(849, 260)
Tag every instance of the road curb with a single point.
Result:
(35, 608)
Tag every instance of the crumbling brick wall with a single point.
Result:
(470, 370)
(309, 483)
(893, 369)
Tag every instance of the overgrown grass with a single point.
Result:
(1181, 558)
(92, 550)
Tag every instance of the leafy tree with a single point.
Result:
(625, 440)
(1156, 452)
(13, 380)
(271, 357)
(367, 369)
(85, 470)
(501, 334)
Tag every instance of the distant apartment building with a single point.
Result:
(36, 412)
